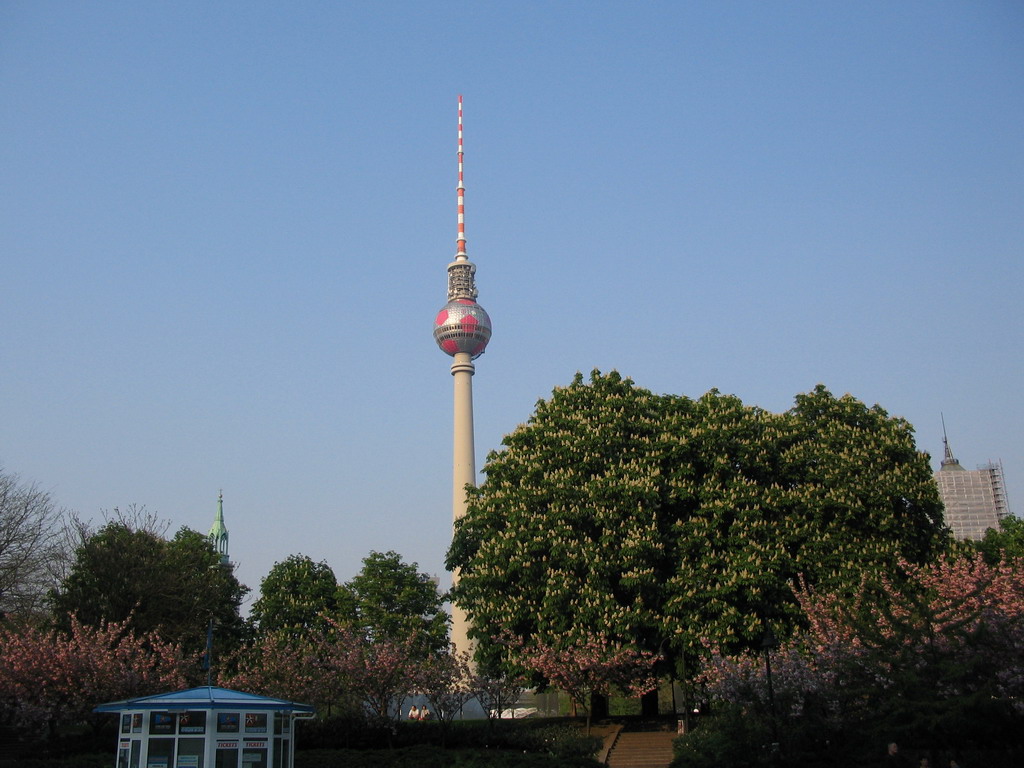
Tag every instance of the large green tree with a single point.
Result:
(393, 600)
(1005, 542)
(299, 597)
(388, 599)
(173, 587)
(669, 523)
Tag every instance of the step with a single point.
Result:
(648, 749)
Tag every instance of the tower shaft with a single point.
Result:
(463, 449)
(463, 472)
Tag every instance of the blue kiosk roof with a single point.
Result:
(205, 697)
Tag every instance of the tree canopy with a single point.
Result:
(172, 587)
(298, 596)
(393, 601)
(388, 599)
(1005, 542)
(335, 644)
(669, 522)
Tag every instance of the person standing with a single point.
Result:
(893, 758)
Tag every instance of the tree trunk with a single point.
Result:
(649, 704)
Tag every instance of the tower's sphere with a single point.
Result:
(462, 326)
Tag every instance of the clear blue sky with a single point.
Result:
(224, 229)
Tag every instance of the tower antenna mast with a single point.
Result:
(947, 453)
(460, 243)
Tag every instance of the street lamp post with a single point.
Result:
(768, 642)
(208, 658)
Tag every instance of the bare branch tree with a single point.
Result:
(28, 540)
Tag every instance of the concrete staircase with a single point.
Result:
(641, 749)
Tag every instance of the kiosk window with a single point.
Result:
(227, 757)
(281, 753)
(161, 753)
(282, 723)
(254, 758)
(128, 754)
(227, 722)
(190, 753)
(161, 723)
(191, 723)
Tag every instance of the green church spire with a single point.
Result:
(219, 533)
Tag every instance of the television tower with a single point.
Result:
(462, 330)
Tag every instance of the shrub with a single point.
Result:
(554, 737)
(729, 738)
(436, 757)
(104, 760)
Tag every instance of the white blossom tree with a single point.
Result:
(658, 521)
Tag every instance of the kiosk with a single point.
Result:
(206, 727)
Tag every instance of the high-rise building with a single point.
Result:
(462, 330)
(974, 499)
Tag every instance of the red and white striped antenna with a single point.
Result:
(460, 253)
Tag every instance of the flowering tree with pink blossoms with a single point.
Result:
(593, 666)
(446, 680)
(938, 657)
(337, 666)
(50, 678)
(288, 666)
(497, 692)
(380, 672)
